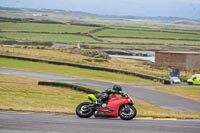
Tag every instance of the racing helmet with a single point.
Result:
(117, 87)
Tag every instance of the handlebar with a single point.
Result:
(124, 94)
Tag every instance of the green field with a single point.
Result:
(146, 34)
(39, 27)
(190, 31)
(111, 37)
(62, 38)
(150, 42)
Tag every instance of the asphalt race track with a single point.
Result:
(29, 122)
(14, 122)
(163, 100)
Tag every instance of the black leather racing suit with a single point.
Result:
(103, 96)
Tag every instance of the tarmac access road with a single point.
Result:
(22, 122)
(161, 99)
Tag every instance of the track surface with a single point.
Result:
(13, 122)
(163, 100)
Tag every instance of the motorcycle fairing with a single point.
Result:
(92, 97)
(112, 108)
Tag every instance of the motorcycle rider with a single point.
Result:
(103, 96)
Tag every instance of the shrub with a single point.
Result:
(88, 53)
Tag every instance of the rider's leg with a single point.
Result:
(102, 99)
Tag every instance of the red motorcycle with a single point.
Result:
(115, 106)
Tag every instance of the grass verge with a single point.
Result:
(23, 94)
(191, 92)
(116, 63)
(71, 71)
(148, 110)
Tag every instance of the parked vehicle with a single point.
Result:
(195, 79)
(116, 106)
(175, 80)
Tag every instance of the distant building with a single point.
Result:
(37, 14)
(180, 60)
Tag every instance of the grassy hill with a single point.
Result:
(88, 18)
(99, 36)
(24, 26)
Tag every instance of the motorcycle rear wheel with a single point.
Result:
(127, 112)
(83, 112)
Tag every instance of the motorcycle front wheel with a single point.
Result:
(83, 112)
(127, 112)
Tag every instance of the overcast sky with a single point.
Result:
(151, 8)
